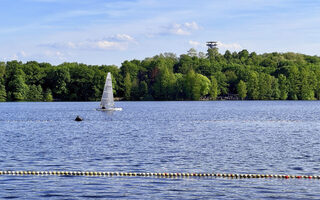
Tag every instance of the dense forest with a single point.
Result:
(191, 76)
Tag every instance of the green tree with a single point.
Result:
(213, 55)
(164, 84)
(275, 88)
(227, 55)
(47, 96)
(204, 67)
(131, 68)
(18, 87)
(3, 94)
(184, 65)
(168, 77)
(265, 86)
(306, 88)
(34, 93)
(127, 87)
(80, 87)
(253, 59)
(33, 73)
(242, 89)
(317, 84)
(15, 82)
(192, 86)
(144, 90)
(253, 86)
(294, 82)
(163, 78)
(243, 56)
(135, 91)
(222, 83)
(97, 83)
(232, 80)
(214, 88)
(205, 84)
(283, 86)
(57, 80)
(180, 86)
(192, 52)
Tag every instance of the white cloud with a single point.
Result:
(107, 45)
(124, 37)
(177, 30)
(231, 46)
(116, 42)
(182, 29)
(97, 45)
(195, 43)
(16, 56)
(55, 54)
(44, 55)
(191, 25)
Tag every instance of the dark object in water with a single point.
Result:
(78, 119)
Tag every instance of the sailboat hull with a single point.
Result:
(109, 109)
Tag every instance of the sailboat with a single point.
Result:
(107, 102)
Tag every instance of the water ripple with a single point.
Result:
(221, 137)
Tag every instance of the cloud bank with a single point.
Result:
(116, 42)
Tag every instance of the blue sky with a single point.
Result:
(112, 31)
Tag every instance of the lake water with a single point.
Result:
(258, 137)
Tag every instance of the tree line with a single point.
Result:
(191, 76)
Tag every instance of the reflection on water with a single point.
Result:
(278, 137)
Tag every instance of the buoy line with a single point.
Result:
(160, 175)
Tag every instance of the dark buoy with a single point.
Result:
(78, 119)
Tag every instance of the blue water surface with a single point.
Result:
(255, 137)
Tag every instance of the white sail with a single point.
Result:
(107, 102)
(107, 96)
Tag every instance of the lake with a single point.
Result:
(254, 137)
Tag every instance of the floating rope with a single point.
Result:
(159, 175)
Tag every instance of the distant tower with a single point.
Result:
(212, 45)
